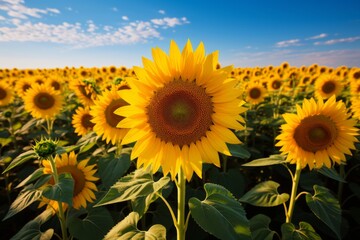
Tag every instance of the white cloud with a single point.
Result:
(169, 22)
(115, 9)
(17, 9)
(339, 40)
(161, 11)
(126, 18)
(288, 43)
(322, 35)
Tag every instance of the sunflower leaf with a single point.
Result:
(331, 173)
(326, 207)
(95, 225)
(32, 177)
(26, 197)
(112, 168)
(137, 184)
(127, 229)
(62, 191)
(305, 232)
(272, 160)
(259, 226)
(20, 159)
(31, 230)
(265, 194)
(238, 150)
(220, 214)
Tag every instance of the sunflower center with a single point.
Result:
(3, 93)
(55, 85)
(315, 133)
(180, 112)
(276, 84)
(44, 101)
(86, 121)
(83, 91)
(328, 87)
(111, 118)
(77, 175)
(25, 87)
(254, 93)
(356, 75)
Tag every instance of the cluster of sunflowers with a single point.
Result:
(182, 113)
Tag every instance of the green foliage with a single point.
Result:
(239, 151)
(331, 173)
(265, 194)
(140, 183)
(220, 214)
(326, 207)
(21, 159)
(127, 229)
(62, 191)
(259, 226)
(272, 160)
(305, 232)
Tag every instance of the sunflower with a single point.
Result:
(82, 174)
(327, 85)
(22, 86)
(255, 93)
(81, 121)
(6, 94)
(84, 90)
(319, 134)
(354, 74)
(43, 101)
(105, 119)
(275, 83)
(181, 107)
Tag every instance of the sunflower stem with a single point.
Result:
(61, 214)
(180, 225)
(341, 184)
(295, 183)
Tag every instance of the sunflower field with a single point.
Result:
(180, 148)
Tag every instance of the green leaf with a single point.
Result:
(259, 226)
(305, 232)
(238, 150)
(220, 214)
(127, 229)
(32, 177)
(32, 231)
(95, 225)
(265, 194)
(22, 158)
(62, 191)
(137, 184)
(112, 169)
(26, 197)
(60, 150)
(272, 160)
(233, 180)
(331, 173)
(326, 207)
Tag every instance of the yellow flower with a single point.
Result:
(180, 111)
(105, 119)
(6, 94)
(81, 121)
(43, 101)
(327, 85)
(319, 134)
(81, 172)
(255, 93)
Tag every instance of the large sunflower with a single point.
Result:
(82, 174)
(180, 110)
(319, 134)
(327, 85)
(105, 119)
(81, 121)
(6, 94)
(43, 101)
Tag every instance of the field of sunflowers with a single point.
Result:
(180, 148)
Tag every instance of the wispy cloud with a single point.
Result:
(322, 35)
(115, 9)
(125, 18)
(339, 40)
(17, 9)
(161, 11)
(288, 43)
(22, 25)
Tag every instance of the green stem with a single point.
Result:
(341, 184)
(295, 183)
(61, 214)
(180, 225)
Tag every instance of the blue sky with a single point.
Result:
(247, 33)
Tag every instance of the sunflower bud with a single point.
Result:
(7, 114)
(45, 148)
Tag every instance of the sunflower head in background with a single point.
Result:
(82, 174)
(181, 109)
(6, 94)
(42, 101)
(320, 134)
(327, 85)
(81, 121)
